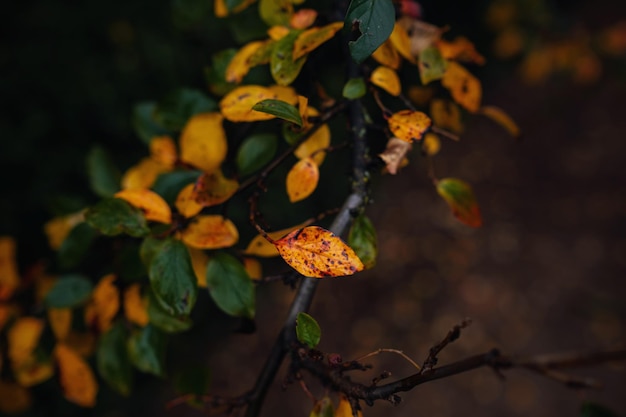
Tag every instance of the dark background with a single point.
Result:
(544, 274)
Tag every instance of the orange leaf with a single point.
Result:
(253, 268)
(387, 79)
(22, 338)
(135, 306)
(464, 87)
(60, 320)
(302, 179)
(446, 115)
(387, 55)
(9, 275)
(209, 190)
(77, 379)
(150, 203)
(104, 304)
(239, 66)
(199, 261)
(460, 197)
(317, 252)
(259, 246)
(409, 125)
(500, 117)
(278, 32)
(82, 343)
(210, 232)
(237, 105)
(312, 38)
(203, 142)
(163, 150)
(32, 372)
(143, 174)
(58, 228)
(312, 147)
(460, 49)
(303, 18)
(186, 201)
(394, 154)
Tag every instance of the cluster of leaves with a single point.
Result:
(173, 218)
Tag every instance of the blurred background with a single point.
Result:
(544, 274)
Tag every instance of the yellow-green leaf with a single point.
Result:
(460, 197)
(283, 66)
(500, 117)
(312, 38)
(280, 109)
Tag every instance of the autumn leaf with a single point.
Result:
(313, 146)
(311, 39)
(387, 79)
(260, 246)
(302, 179)
(209, 190)
(253, 268)
(431, 64)
(135, 306)
(460, 197)
(186, 202)
(150, 203)
(500, 117)
(276, 12)
(446, 115)
(22, 338)
(284, 93)
(303, 18)
(77, 379)
(401, 42)
(277, 32)
(431, 144)
(323, 408)
(199, 261)
(317, 252)
(104, 305)
(464, 87)
(203, 141)
(241, 63)
(409, 125)
(394, 154)
(143, 174)
(460, 49)
(9, 275)
(210, 232)
(236, 106)
(57, 229)
(60, 320)
(344, 409)
(283, 66)
(387, 55)
(163, 151)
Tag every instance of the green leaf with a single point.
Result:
(193, 379)
(230, 286)
(144, 123)
(104, 177)
(255, 152)
(112, 359)
(233, 4)
(169, 184)
(460, 197)
(374, 19)
(164, 320)
(282, 66)
(276, 12)
(362, 238)
(114, 216)
(216, 73)
(68, 292)
(280, 109)
(172, 278)
(307, 330)
(177, 107)
(432, 65)
(149, 248)
(323, 408)
(76, 245)
(591, 409)
(146, 349)
(354, 88)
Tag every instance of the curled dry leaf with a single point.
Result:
(240, 65)
(394, 154)
(203, 141)
(104, 305)
(312, 38)
(302, 179)
(316, 252)
(237, 105)
(9, 275)
(77, 379)
(135, 306)
(387, 79)
(150, 203)
(303, 18)
(387, 55)
(210, 232)
(259, 246)
(464, 87)
(163, 150)
(143, 174)
(409, 125)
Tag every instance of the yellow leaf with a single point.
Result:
(303, 18)
(60, 320)
(9, 275)
(431, 144)
(32, 372)
(135, 306)
(237, 105)
(199, 261)
(210, 232)
(464, 87)
(409, 125)
(220, 9)
(163, 151)
(77, 379)
(460, 49)
(104, 304)
(284, 93)
(239, 66)
(401, 42)
(318, 141)
(387, 79)
(312, 38)
(253, 268)
(209, 190)
(22, 339)
(394, 154)
(277, 32)
(317, 252)
(303, 105)
(302, 179)
(58, 228)
(14, 399)
(150, 203)
(143, 174)
(344, 409)
(259, 246)
(387, 55)
(446, 115)
(499, 116)
(186, 202)
(203, 141)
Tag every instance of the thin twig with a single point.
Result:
(389, 350)
(453, 334)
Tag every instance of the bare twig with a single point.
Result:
(389, 350)
(453, 334)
